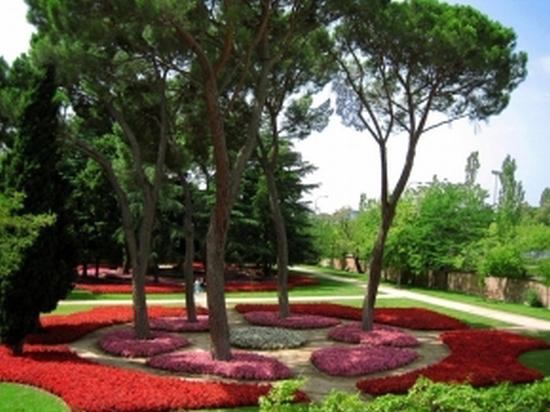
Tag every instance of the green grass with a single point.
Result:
(538, 359)
(516, 308)
(22, 398)
(68, 309)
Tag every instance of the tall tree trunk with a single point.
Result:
(217, 314)
(85, 270)
(375, 270)
(97, 267)
(282, 243)
(189, 253)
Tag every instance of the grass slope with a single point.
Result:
(22, 398)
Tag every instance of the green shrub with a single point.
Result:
(532, 298)
(425, 396)
(503, 260)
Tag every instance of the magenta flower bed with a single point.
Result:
(180, 324)
(380, 335)
(124, 343)
(360, 360)
(291, 322)
(246, 366)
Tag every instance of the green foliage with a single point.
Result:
(424, 396)
(510, 197)
(17, 233)
(503, 260)
(532, 298)
(339, 402)
(279, 399)
(46, 272)
(434, 224)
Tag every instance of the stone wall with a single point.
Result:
(504, 289)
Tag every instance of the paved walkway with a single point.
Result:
(521, 321)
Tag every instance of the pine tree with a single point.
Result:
(46, 272)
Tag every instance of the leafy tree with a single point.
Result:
(510, 197)
(402, 62)
(542, 215)
(48, 266)
(435, 224)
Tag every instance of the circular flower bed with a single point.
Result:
(246, 366)
(291, 322)
(180, 324)
(380, 335)
(124, 343)
(255, 337)
(360, 360)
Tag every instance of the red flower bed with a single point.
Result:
(479, 357)
(412, 318)
(233, 286)
(92, 387)
(65, 329)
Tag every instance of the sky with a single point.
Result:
(347, 161)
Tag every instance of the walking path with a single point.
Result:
(521, 321)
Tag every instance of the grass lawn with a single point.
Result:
(517, 308)
(22, 398)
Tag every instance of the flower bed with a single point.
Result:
(232, 286)
(65, 329)
(180, 324)
(126, 289)
(124, 343)
(248, 366)
(265, 338)
(478, 357)
(291, 322)
(380, 335)
(92, 387)
(412, 318)
(360, 360)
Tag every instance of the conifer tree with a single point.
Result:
(46, 272)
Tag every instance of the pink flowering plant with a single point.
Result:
(245, 366)
(124, 343)
(360, 360)
(180, 324)
(378, 336)
(297, 321)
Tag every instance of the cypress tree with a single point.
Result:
(46, 272)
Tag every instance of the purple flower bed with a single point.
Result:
(124, 343)
(380, 335)
(246, 366)
(180, 324)
(360, 360)
(291, 322)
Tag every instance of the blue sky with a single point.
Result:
(348, 161)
